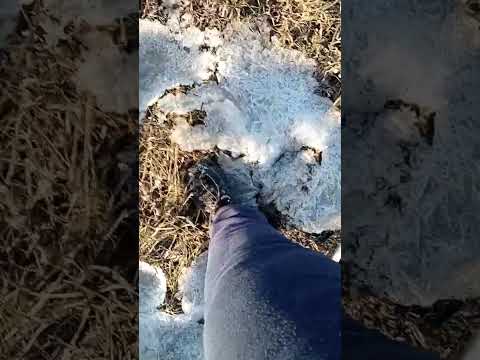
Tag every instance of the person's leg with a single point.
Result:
(266, 297)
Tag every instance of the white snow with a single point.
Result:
(171, 337)
(103, 69)
(263, 107)
(108, 72)
(169, 59)
(191, 285)
(338, 254)
(152, 287)
(167, 337)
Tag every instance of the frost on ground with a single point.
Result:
(171, 337)
(260, 105)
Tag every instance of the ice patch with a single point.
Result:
(261, 104)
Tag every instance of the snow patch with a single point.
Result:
(152, 287)
(261, 105)
(171, 337)
(103, 68)
(169, 59)
(167, 337)
(191, 285)
(105, 71)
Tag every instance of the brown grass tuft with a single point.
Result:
(172, 232)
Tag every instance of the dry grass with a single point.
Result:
(444, 328)
(62, 218)
(172, 232)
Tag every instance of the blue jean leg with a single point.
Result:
(266, 297)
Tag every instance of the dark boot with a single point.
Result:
(220, 181)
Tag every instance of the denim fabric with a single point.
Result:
(268, 298)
